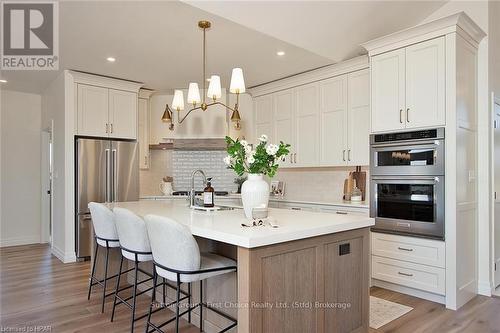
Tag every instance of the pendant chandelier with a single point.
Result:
(214, 92)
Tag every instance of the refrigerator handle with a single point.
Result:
(114, 169)
(108, 170)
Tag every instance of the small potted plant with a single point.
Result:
(263, 160)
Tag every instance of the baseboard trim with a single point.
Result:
(484, 288)
(15, 241)
(63, 256)
(409, 291)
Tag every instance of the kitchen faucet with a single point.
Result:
(192, 200)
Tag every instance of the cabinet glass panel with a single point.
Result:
(406, 202)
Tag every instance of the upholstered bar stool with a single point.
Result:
(134, 244)
(106, 236)
(177, 257)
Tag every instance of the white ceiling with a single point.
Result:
(159, 43)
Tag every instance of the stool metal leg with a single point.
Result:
(177, 309)
(117, 287)
(164, 291)
(153, 298)
(189, 302)
(105, 278)
(93, 270)
(201, 305)
(136, 266)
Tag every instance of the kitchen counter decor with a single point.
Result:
(257, 163)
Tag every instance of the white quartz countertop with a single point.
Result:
(225, 226)
(362, 204)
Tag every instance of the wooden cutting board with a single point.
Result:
(360, 177)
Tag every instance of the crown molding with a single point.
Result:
(348, 66)
(105, 81)
(459, 23)
(145, 93)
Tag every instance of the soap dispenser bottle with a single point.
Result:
(208, 194)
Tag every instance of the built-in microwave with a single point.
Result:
(407, 153)
(411, 205)
(407, 176)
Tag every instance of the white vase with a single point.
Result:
(254, 193)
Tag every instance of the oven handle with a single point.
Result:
(436, 179)
(428, 143)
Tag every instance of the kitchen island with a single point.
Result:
(310, 274)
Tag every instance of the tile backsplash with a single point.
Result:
(184, 162)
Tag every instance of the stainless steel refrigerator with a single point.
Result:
(106, 171)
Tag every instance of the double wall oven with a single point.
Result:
(407, 182)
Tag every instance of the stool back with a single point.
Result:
(103, 221)
(131, 231)
(172, 244)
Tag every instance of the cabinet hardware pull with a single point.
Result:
(401, 116)
(111, 127)
(341, 212)
(408, 115)
(349, 155)
(296, 208)
(405, 249)
(343, 155)
(107, 127)
(294, 157)
(405, 274)
(145, 160)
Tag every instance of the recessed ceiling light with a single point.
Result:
(3, 81)
(280, 53)
(110, 59)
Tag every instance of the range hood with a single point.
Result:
(192, 144)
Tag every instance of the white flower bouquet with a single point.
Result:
(242, 158)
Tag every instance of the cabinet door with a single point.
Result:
(388, 91)
(283, 121)
(143, 110)
(123, 114)
(92, 109)
(307, 125)
(358, 115)
(264, 117)
(425, 84)
(333, 107)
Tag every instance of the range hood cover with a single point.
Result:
(199, 144)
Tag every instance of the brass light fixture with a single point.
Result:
(214, 92)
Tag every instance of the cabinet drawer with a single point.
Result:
(427, 278)
(416, 250)
(345, 211)
(297, 206)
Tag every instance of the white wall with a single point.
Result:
(20, 124)
(479, 12)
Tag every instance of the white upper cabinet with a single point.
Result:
(307, 136)
(333, 107)
(105, 112)
(264, 117)
(284, 106)
(92, 111)
(408, 87)
(388, 91)
(358, 118)
(143, 135)
(425, 84)
(123, 114)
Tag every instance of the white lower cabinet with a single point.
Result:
(409, 261)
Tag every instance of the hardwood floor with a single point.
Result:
(36, 289)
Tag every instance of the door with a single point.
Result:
(143, 110)
(307, 125)
(283, 121)
(388, 91)
(123, 114)
(333, 106)
(264, 117)
(125, 171)
(92, 109)
(46, 176)
(496, 246)
(425, 84)
(358, 118)
(93, 183)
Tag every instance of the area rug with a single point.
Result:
(383, 312)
